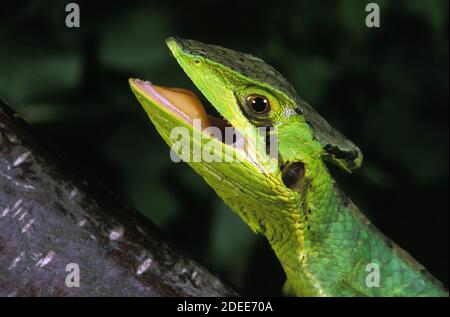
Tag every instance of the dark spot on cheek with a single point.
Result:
(292, 174)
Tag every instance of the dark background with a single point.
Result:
(385, 88)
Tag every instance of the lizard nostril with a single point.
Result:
(292, 174)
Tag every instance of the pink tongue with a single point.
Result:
(185, 104)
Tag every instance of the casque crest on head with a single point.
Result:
(337, 148)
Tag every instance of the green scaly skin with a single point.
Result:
(322, 240)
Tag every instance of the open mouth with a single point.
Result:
(185, 105)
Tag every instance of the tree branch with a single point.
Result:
(48, 219)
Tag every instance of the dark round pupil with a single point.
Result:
(259, 104)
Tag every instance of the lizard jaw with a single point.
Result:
(185, 105)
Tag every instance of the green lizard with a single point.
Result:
(326, 246)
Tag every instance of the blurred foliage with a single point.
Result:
(385, 88)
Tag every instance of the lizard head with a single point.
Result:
(275, 140)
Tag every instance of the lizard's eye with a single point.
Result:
(258, 104)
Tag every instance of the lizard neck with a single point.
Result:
(329, 248)
(299, 240)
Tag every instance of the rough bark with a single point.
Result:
(49, 218)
